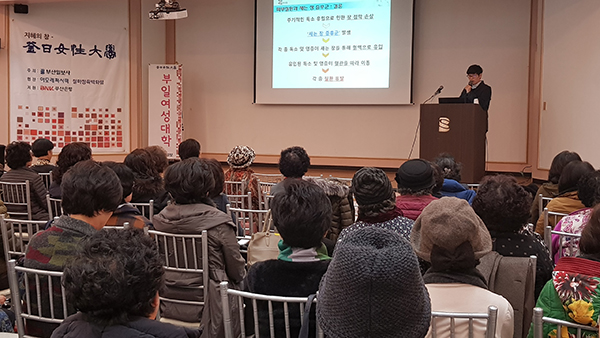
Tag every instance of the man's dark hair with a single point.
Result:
(302, 214)
(69, 155)
(18, 154)
(294, 162)
(41, 147)
(449, 167)
(189, 148)
(125, 176)
(571, 174)
(218, 175)
(502, 204)
(588, 189)
(159, 158)
(189, 181)
(559, 162)
(475, 69)
(89, 188)
(114, 277)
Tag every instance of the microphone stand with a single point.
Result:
(437, 92)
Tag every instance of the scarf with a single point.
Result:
(289, 254)
(382, 217)
(454, 266)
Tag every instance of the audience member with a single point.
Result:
(126, 212)
(503, 205)
(191, 212)
(373, 288)
(216, 193)
(189, 148)
(71, 154)
(572, 293)
(450, 236)
(42, 150)
(147, 183)
(2, 150)
(377, 204)
(342, 205)
(91, 193)
(550, 188)
(302, 215)
(239, 159)
(452, 177)
(114, 281)
(567, 201)
(588, 191)
(293, 164)
(159, 158)
(438, 176)
(18, 159)
(415, 180)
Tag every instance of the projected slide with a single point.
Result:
(325, 44)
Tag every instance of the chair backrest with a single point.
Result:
(243, 201)
(543, 202)
(184, 253)
(147, 209)
(250, 221)
(16, 234)
(44, 298)
(550, 220)
(289, 304)
(568, 244)
(473, 186)
(54, 206)
(539, 320)
(491, 317)
(235, 187)
(17, 198)
(47, 179)
(264, 194)
(269, 178)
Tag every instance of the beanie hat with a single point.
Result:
(373, 288)
(448, 223)
(241, 157)
(415, 175)
(371, 186)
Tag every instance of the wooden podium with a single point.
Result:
(458, 129)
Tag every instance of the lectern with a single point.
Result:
(457, 129)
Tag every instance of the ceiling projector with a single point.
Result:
(167, 10)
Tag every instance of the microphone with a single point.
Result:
(439, 90)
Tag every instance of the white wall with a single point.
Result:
(215, 44)
(570, 86)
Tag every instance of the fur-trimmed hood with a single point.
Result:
(331, 186)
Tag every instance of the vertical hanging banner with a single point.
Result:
(165, 96)
(69, 74)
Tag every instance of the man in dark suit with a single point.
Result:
(476, 88)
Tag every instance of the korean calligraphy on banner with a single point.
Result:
(164, 107)
(69, 78)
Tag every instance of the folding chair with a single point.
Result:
(491, 317)
(16, 234)
(539, 320)
(264, 194)
(269, 178)
(187, 254)
(44, 296)
(549, 226)
(280, 310)
(147, 209)
(473, 186)
(543, 202)
(17, 198)
(235, 187)
(243, 201)
(249, 221)
(54, 206)
(47, 178)
(568, 244)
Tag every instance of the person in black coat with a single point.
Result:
(476, 88)
(302, 215)
(114, 282)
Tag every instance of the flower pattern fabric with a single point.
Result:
(573, 224)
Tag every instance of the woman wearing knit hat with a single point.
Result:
(373, 288)
(450, 236)
(415, 180)
(377, 204)
(240, 158)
